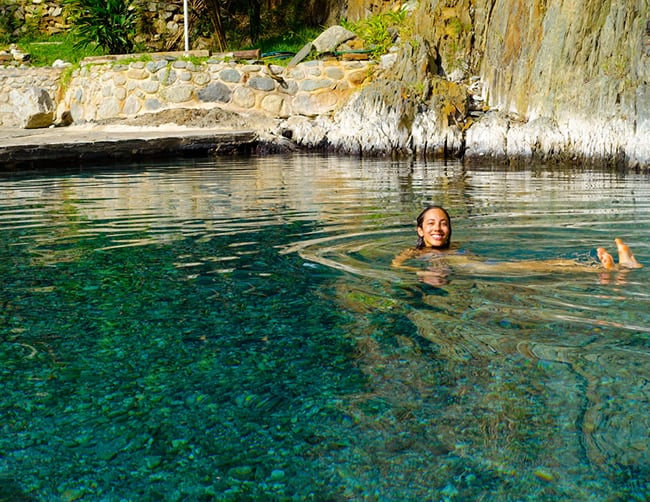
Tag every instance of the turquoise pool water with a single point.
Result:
(232, 329)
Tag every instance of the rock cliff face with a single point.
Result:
(561, 79)
(575, 71)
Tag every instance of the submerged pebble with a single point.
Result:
(543, 474)
(277, 474)
(244, 472)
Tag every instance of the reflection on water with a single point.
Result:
(233, 330)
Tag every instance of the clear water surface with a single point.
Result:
(232, 329)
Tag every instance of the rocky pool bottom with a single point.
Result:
(232, 329)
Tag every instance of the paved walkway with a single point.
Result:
(61, 146)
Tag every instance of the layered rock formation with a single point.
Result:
(561, 79)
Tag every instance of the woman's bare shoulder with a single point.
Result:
(426, 254)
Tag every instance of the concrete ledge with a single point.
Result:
(57, 147)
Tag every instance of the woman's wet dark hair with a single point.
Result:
(420, 220)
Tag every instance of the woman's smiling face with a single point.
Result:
(435, 228)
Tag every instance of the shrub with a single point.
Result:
(380, 30)
(108, 24)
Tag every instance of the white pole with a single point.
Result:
(185, 27)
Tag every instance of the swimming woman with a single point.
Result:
(433, 226)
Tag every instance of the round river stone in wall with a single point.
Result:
(273, 104)
(201, 78)
(262, 83)
(151, 104)
(154, 66)
(230, 75)
(215, 92)
(312, 84)
(178, 94)
(334, 73)
(132, 105)
(149, 86)
(110, 107)
(243, 97)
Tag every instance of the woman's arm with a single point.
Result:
(407, 254)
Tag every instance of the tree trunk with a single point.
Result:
(213, 9)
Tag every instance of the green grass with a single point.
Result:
(45, 50)
(292, 41)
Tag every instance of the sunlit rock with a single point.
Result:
(59, 63)
(539, 138)
(487, 137)
(331, 38)
(429, 139)
(34, 107)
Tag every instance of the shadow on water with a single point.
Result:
(10, 491)
(234, 330)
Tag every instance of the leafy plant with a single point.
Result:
(108, 24)
(378, 31)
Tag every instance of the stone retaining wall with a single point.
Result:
(125, 89)
(22, 80)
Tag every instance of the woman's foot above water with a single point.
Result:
(606, 259)
(625, 257)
